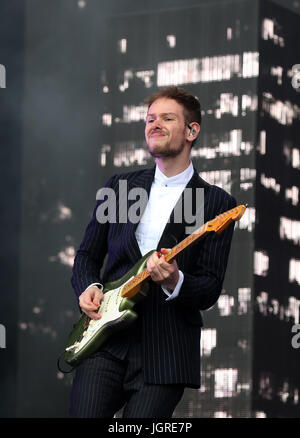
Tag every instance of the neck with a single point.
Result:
(170, 167)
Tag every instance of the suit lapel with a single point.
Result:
(176, 228)
(142, 181)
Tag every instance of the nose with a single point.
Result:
(156, 124)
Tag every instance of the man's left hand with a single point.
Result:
(162, 272)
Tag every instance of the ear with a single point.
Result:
(193, 130)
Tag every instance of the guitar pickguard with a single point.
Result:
(110, 313)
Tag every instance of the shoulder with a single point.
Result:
(216, 199)
(219, 200)
(221, 194)
(215, 194)
(135, 176)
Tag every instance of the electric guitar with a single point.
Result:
(120, 296)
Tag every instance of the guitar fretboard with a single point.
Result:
(140, 278)
(218, 225)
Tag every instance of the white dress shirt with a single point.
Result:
(164, 195)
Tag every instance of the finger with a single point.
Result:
(165, 250)
(159, 274)
(92, 315)
(88, 306)
(98, 298)
(91, 295)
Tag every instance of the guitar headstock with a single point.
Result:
(224, 219)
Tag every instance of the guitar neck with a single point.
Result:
(143, 276)
(217, 225)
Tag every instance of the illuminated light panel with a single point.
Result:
(289, 229)
(225, 304)
(292, 195)
(106, 119)
(250, 64)
(277, 71)
(270, 183)
(296, 396)
(292, 311)
(61, 213)
(129, 153)
(266, 386)
(132, 113)
(262, 300)
(243, 387)
(275, 307)
(248, 103)
(294, 271)
(244, 297)
(260, 414)
(235, 144)
(247, 176)
(231, 144)
(284, 393)
(81, 4)
(122, 45)
(171, 40)
(225, 382)
(267, 29)
(65, 257)
(296, 158)
(261, 263)
(262, 142)
(283, 112)
(64, 212)
(288, 152)
(220, 178)
(221, 414)
(146, 76)
(208, 341)
(247, 221)
(229, 33)
(229, 104)
(103, 153)
(128, 75)
(246, 186)
(268, 32)
(207, 69)
(272, 307)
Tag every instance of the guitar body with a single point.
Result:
(116, 313)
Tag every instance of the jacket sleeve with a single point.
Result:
(201, 289)
(91, 254)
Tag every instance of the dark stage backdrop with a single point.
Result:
(218, 64)
(86, 75)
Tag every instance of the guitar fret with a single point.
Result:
(135, 281)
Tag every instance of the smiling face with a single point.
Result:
(166, 131)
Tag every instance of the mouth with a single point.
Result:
(157, 134)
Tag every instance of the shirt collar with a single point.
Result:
(176, 180)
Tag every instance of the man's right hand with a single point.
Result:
(89, 301)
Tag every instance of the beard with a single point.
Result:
(166, 150)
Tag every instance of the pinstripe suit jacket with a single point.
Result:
(170, 330)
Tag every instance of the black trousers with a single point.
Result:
(103, 384)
